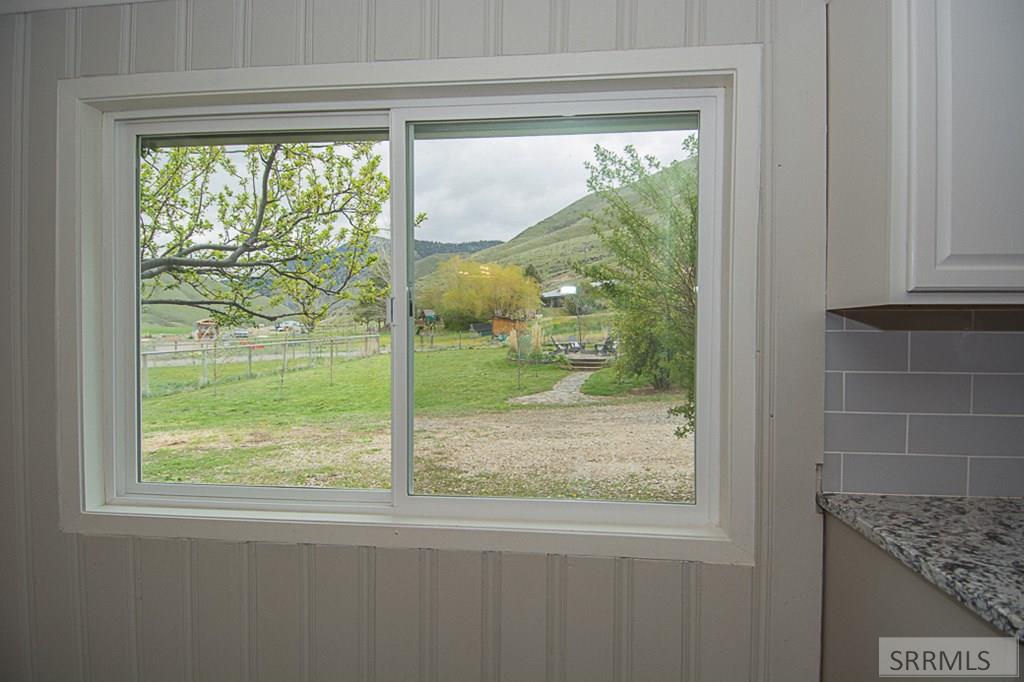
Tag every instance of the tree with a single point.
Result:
(374, 294)
(252, 228)
(649, 229)
(533, 273)
(582, 303)
(465, 291)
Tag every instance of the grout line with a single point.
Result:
(919, 372)
(906, 441)
(972, 395)
(842, 472)
(929, 414)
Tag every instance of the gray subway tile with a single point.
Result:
(966, 352)
(833, 391)
(996, 477)
(879, 351)
(831, 473)
(908, 392)
(999, 394)
(905, 474)
(967, 435)
(847, 432)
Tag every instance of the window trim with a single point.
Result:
(87, 112)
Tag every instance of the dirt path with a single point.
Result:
(565, 392)
(623, 448)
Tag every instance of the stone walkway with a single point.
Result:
(565, 392)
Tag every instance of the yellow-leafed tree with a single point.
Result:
(464, 290)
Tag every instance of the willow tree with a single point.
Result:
(649, 230)
(259, 231)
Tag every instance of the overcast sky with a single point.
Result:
(495, 188)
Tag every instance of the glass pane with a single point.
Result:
(555, 273)
(264, 267)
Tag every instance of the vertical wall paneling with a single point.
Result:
(729, 21)
(108, 607)
(15, 606)
(591, 25)
(275, 32)
(398, 613)
(155, 44)
(338, 31)
(555, 616)
(161, 607)
(590, 619)
(660, 23)
(398, 29)
(280, 629)
(490, 617)
(725, 594)
(459, 609)
(219, 630)
(523, 627)
(213, 34)
(525, 26)
(57, 651)
(656, 627)
(99, 40)
(334, 610)
(462, 28)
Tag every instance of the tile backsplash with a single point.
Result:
(925, 401)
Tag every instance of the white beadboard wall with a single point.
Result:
(109, 609)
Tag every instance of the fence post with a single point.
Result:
(311, 363)
(144, 375)
(366, 345)
(249, 364)
(460, 339)
(332, 362)
(215, 359)
(206, 377)
(284, 364)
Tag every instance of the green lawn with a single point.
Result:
(446, 382)
(606, 382)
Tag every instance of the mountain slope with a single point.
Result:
(563, 238)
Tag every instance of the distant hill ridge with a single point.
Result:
(424, 248)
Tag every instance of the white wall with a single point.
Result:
(110, 609)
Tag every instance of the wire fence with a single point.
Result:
(198, 364)
(182, 365)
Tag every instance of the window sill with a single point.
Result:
(704, 543)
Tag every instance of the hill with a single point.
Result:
(165, 318)
(563, 238)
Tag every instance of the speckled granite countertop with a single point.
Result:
(971, 548)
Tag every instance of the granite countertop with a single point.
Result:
(971, 548)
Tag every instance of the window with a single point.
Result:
(495, 320)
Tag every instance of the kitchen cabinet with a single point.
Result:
(926, 152)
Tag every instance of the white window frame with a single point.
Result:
(99, 121)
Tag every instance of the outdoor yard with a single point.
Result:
(307, 429)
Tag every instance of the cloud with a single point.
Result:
(494, 188)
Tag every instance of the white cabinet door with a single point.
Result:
(958, 144)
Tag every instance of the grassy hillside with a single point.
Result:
(177, 319)
(555, 243)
